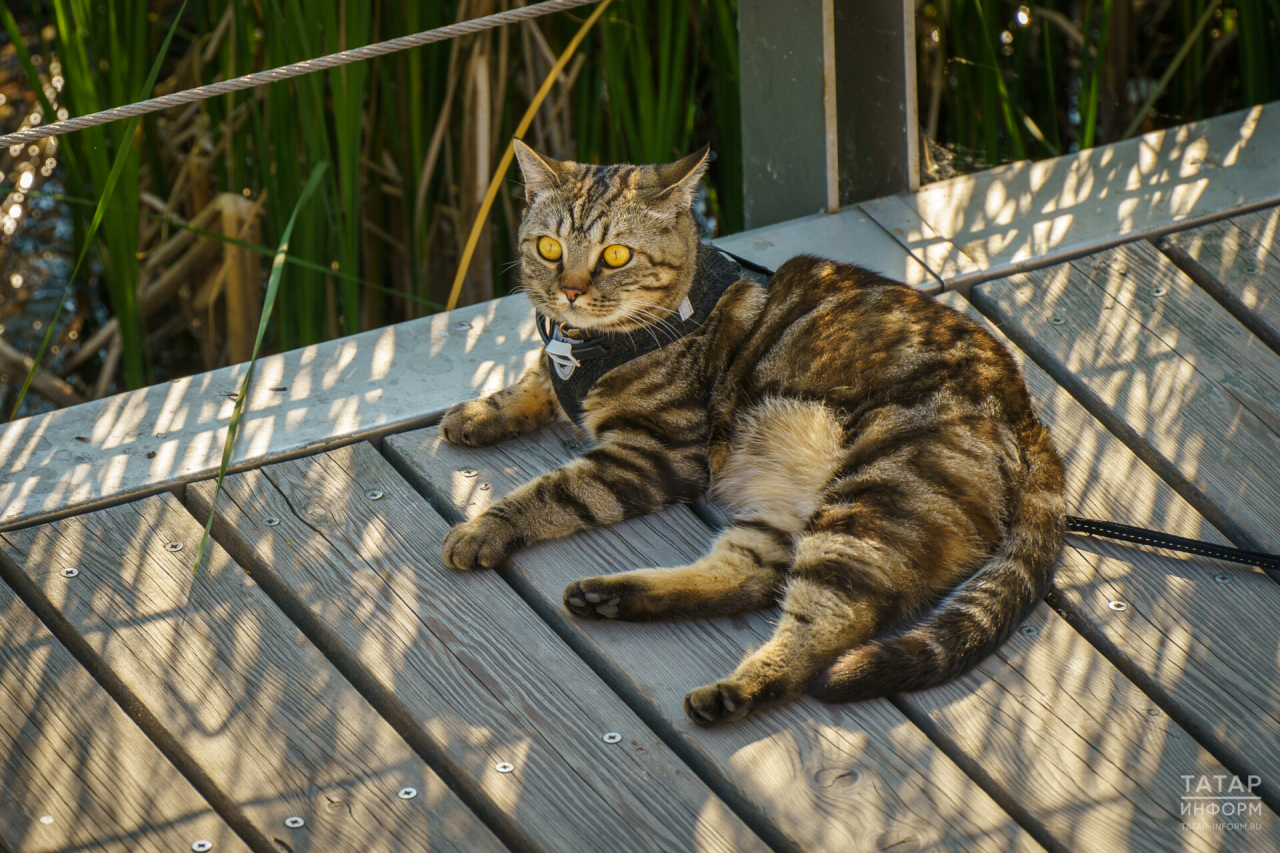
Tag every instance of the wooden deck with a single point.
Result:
(327, 685)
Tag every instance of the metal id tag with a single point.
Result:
(560, 352)
(686, 309)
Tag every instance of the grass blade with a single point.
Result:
(273, 287)
(122, 155)
(1169, 72)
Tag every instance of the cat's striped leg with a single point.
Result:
(840, 591)
(505, 414)
(742, 572)
(626, 476)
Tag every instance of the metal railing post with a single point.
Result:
(829, 112)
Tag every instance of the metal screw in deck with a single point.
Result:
(1056, 320)
(1117, 605)
(1028, 630)
(373, 495)
(271, 521)
(70, 572)
(294, 822)
(173, 546)
(407, 793)
(1250, 269)
(611, 737)
(1222, 578)
(201, 846)
(469, 472)
(504, 767)
(46, 819)
(1158, 291)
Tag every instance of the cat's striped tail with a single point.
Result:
(978, 616)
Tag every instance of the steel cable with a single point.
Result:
(285, 72)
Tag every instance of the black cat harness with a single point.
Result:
(578, 359)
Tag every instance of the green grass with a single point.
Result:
(1014, 80)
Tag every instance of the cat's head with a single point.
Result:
(608, 248)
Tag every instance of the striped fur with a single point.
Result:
(893, 488)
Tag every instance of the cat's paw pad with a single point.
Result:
(589, 598)
(712, 704)
(475, 423)
(481, 543)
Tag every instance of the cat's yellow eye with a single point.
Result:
(616, 256)
(549, 248)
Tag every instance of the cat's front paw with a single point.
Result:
(475, 423)
(712, 704)
(481, 543)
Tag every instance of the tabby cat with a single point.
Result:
(891, 485)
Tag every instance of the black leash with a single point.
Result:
(1154, 538)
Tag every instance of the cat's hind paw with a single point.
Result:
(722, 702)
(589, 598)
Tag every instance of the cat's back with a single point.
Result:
(853, 338)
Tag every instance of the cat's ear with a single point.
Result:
(678, 181)
(540, 173)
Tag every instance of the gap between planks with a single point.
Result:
(233, 684)
(75, 771)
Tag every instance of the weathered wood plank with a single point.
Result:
(75, 771)
(315, 398)
(1165, 368)
(857, 777)
(481, 676)
(1237, 262)
(1080, 748)
(1023, 215)
(1200, 637)
(270, 722)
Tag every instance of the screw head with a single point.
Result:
(173, 546)
(1153, 712)
(70, 572)
(1222, 578)
(1250, 269)
(1158, 291)
(504, 767)
(469, 472)
(1028, 630)
(294, 822)
(1057, 321)
(1117, 605)
(271, 521)
(201, 846)
(611, 737)
(46, 819)
(407, 793)
(484, 487)
(373, 495)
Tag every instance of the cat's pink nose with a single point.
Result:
(570, 293)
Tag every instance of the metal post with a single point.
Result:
(828, 104)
